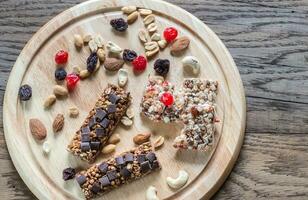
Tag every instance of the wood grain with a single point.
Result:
(267, 39)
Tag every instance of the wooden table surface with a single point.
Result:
(268, 40)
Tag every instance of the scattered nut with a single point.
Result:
(179, 44)
(114, 138)
(73, 112)
(126, 121)
(108, 149)
(143, 37)
(78, 41)
(144, 12)
(128, 9)
(113, 64)
(149, 46)
(151, 193)
(157, 77)
(37, 129)
(113, 48)
(152, 53)
(149, 19)
(50, 100)
(130, 113)
(97, 66)
(122, 77)
(162, 44)
(191, 65)
(93, 46)
(155, 37)
(101, 55)
(76, 70)
(87, 38)
(99, 41)
(46, 147)
(159, 142)
(132, 17)
(141, 138)
(58, 123)
(152, 28)
(84, 74)
(60, 91)
(178, 182)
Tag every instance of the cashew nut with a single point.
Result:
(191, 65)
(151, 193)
(113, 48)
(180, 181)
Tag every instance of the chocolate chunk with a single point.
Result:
(103, 167)
(155, 165)
(145, 167)
(151, 156)
(119, 161)
(95, 145)
(129, 158)
(111, 108)
(113, 98)
(96, 188)
(85, 137)
(141, 158)
(125, 172)
(68, 173)
(104, 181)
(92, 122)
(100, 132)
(100, 114)
(112, 175)
(85, 129)
(81, 179)
(85, 146)
(105, 123)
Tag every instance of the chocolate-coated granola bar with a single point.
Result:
(100, 123)
(117, 171)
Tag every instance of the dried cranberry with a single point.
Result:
(71, 81)
(119, 24)
(161, 66)
(61, 57)
(139, 63)
(60, 74)
(68, 173)
(170, 34)
(167, 99)
(25, 92)
(129, 55)
(92, 62)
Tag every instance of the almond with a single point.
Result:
(159, 142)
(58, 123)
(50, 100)
(113, 64)
(108, 149)
(132, 17)
(37, 129)
(60, 91)
(179, 44)
(114, 138)
(141, 138)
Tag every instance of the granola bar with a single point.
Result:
(153, 108)
(198, 114)
(117, 171)
(100, 123)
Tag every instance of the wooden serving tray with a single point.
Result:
(35, 66)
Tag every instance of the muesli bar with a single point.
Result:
(198, 114)
(100, 123)
(117, 171)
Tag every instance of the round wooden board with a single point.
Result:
(35, 66)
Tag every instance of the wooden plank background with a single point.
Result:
(268, 40)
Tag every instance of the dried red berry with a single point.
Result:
(139, 63)
(71, 81)
(61, 57)
(170, 34)
(167, 99)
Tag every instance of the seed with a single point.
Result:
(51, 99)
(130, 113)
(143, 36)
(60, 91)
(78, 41)
(128, 9)
(152, 28)
(159, 142)
(108, 149)
(114, 138)
(87, 38)
(155, 37)
(101, 55)
(73, 112)
(126, 121)
(162, 44)
(93, 46)
(149, 19)
(84, 74)
(151, 53)
(144, 12)
(132, 17)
